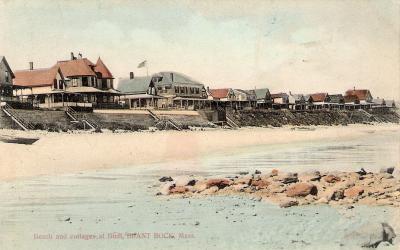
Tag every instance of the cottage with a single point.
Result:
(319, 100)
(45, 88)
(390, 104)
(223, 94)
(379, 102)
(336, 101)
(244, 99)
(280, 100)
(138, 92)
(179, 90)
(297, 101)
(263, 98)
(6, 79)
(363, 95)
(92, 83)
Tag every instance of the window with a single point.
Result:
(60, 84)
(7, 77)
(197, 91)
(55, 84)
(84, 81)
(176, 89)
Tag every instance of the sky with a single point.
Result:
(299, 46)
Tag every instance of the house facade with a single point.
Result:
(363, 95)
(45, 88)
(179, 90)
(6, 79)
(280, 100)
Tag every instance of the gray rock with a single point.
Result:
(370, 235)
(388, 170)
(165, 179)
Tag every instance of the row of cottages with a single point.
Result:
(163, 90)
(74, 82)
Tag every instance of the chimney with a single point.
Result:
(72, 56)
(80, 55)
(131, 75)
(172, 77)
(30, 65)
(354, 88)
(208, 89)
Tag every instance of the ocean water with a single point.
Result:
(118, 208)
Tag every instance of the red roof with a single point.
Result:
(350, 98)
(36, 77)
(219, 93)
(102, 68)
(319, 97)
(76, 67)
(360, 93)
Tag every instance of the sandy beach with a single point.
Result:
(60, 153)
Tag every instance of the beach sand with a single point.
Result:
(60, 153)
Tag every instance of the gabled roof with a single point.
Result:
(169, 77)
(76, 67)
(360, 93)
(297, 97)
(3, 59)
(135, 85)
(319, 97)
(100, 67)
(219, 93)
(261, 93)
(36, 77)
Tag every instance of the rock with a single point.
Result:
(322, 200)
(288, 203)
(166, 188)
(388, 170)
(337, 195)
(200, 186)
(218, 182)
(210, 190)
(288, 178)
(362, 172)
(165, 179)
(310, 176)
(276, 188)
(243, 172)
(178, 190)
(257, 172)
(353, 191)
(274, 172)
(243, 180)
(301, 190)
(184, 181)
(371, 235)
(260, 183)
(239, 187)
(331, 178)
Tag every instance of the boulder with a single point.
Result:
(165, 179)
(257, 172)
(301, 190)
(210, 190)
(184, 181)
(218, 182)
(310, 176)
(370, 235)
(260, 183)
(288, 178)
(288, 203)
(353, 191)
(331, 178)
(200, 186)
(274, 172)
(166, 188)
(178, 190)
(388, 170)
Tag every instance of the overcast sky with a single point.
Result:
(302, 46)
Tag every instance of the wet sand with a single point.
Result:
(60, 153)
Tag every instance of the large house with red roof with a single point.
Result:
(363, 95)
(74, 82)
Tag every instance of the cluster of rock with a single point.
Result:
(278, 118)
(292, 189)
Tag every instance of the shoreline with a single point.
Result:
(63, 153)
